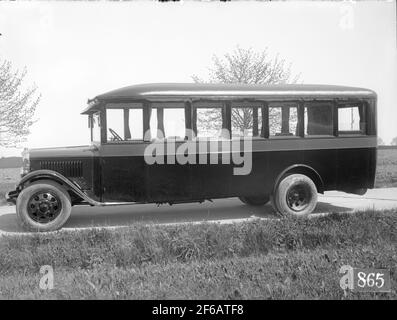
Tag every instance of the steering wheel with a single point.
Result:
(115, 135)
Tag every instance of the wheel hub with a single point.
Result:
(298, 198)
(44, 207)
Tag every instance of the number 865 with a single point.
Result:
(370, 280)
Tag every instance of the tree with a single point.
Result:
(380, 141)
(246, 66)
(18, 103)
(394, 141)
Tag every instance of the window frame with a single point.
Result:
(300, 120)
(331, 103)
(146, 107)
(247, 103)
(91, 126)
(159, 105)
(348, 104)
(264, 132)
(224, 105)
(191, 106)
(122, 105)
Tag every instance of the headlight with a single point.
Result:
(25, 162)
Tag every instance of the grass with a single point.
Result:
(386, 171)
(275, 259)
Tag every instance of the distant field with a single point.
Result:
(386, 171)
(11, 162)
(8, 179)
(10, 175)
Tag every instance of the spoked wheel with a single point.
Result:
(295, 195)
(256, 200)
(43, 206)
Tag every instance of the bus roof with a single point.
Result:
(185, 91)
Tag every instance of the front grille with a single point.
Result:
(67, 168)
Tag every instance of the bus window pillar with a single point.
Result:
(265, 121)
(188, 121)
(147, 110)
(91, 125)
(127, 132)
(362, 118)
(227, 120)
(194, 120)
(103, 124)
(255, 122)
(160, 123)
(300, 128)
(285, 112)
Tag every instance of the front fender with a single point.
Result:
(50, 175)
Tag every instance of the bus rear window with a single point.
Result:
(351, 119)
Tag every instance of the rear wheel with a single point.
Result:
(256, 200)
(295, 195)
(43, 206)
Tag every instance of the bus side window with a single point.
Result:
(167, 121)
(318, 118)
(209, 122)
(283, 120)
(124, 121)
(246, 121)
(351, 119)
(135, 123)
(116, 121)
(174, 123)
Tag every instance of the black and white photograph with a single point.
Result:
(198, 155)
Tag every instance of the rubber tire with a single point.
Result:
(255, 201)
(279, 198)
(21, 207)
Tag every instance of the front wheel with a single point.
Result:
(295, 195)
(43, 206)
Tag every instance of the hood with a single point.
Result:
(63, 152)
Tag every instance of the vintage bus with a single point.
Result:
(295, 141)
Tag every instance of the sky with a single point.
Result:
(74, 51)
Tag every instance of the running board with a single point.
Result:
(108, 204)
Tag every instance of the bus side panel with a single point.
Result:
(268, 165)
(356, 168)
(123, 178)
(210, 180)
(324, 162)
(257, 181)
(168, 182)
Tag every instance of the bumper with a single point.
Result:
(12, 196)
